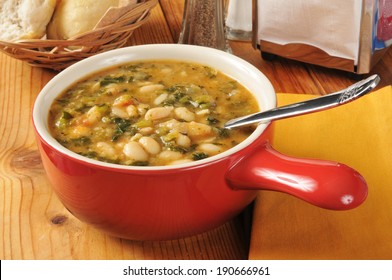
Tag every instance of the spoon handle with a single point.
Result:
(313, 105)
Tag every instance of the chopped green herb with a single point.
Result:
(210, 72)
(143, 123)
(211, 120)
(199, 156)
(112, 80)
(141, 76)
(224, 132)
(63, 120)
(81, 141)
(122, 126)
(110, 108)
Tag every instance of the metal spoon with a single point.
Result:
(313, 105)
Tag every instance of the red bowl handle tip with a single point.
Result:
(326, 184)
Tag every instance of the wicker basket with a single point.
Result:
(113, 31)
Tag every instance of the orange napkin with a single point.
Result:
(358, 134)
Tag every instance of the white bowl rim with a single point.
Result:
(229, 64)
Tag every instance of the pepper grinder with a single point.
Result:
(203, 24)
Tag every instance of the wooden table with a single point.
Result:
(34, 224)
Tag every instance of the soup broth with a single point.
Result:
(151, 113)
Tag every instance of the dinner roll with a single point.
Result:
(24, 19)
(73, 17)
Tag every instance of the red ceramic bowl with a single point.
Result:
(168, 202)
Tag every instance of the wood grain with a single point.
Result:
(173, 11)
(35, 225)
(33, 222)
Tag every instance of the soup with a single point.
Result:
(151, 113)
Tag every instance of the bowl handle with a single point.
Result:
(326, 184)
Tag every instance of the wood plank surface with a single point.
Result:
(35, 225)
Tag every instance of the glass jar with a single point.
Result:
(203, 24)
(239, 20)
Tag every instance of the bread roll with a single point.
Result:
(73, 17)
(24, 19)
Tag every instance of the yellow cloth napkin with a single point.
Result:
(358, 134)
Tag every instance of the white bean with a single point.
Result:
(203, 112)
(183, 113)
(123, 100)
(160, 98)
(158, 113)
(93, 115)
(180, 161)
(171, 124)
(175, 125)
(120, 144)
(183, 140)
(135, 151)
(142, 108)
(169, 155)
(198, 130)
(146, 130)
(136, 137)
(113, 88)
(209, 149)
(151, 88)
(79, 131)
(132, 111)
(119, 112)
(150, 145)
